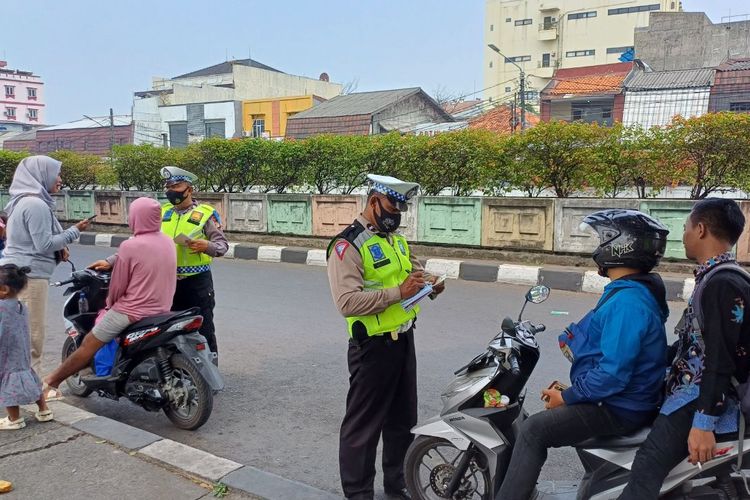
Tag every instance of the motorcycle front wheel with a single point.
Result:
(77, 388)
(430, 465)
(191, 399)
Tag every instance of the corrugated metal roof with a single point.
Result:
(679, 79)
(93, 122)
(735, 65)
(358, 103)
(226, 67)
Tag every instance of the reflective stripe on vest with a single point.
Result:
(385, 265)
(191, 225)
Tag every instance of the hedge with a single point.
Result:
(708, 153)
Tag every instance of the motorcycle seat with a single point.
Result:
(161, 318)
(625, 441)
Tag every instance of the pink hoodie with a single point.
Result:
(143, 279)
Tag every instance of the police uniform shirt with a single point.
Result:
(345, 275)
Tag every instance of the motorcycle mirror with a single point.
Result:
(537, 294)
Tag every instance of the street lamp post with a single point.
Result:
(523, 83)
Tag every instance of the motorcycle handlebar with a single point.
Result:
(61, 283)
(537, 329)
(514, 368)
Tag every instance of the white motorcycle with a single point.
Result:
(464, 452)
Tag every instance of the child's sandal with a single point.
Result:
(6, 424)
(44, 416)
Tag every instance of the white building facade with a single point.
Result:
(542, 35)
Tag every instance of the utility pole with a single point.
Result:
(112, 138)
(523, 101)
(494, 48)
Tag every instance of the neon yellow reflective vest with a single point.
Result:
(386, 265)
(191, 225)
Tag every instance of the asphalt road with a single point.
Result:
(283, 354)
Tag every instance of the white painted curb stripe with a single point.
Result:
(593, 283)
(316, 258)
(517, 275)
(190, 459)
(438, 267)
(688, 287)
(230, 252)
(103, 240)
(270, 253)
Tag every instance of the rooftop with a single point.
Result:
(499, 119)
(677, 79)
(226, 67)
(587, 80)
(735, 65)
(93, 122)
(360, 103)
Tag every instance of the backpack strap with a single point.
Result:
(698, 292)
(352, 234)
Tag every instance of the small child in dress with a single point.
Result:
(19, 384)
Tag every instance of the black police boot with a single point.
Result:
(402, 494)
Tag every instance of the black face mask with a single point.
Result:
(176, 197)
(387, 221)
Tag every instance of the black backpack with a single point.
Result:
(743, 390)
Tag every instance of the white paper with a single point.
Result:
(408, 304)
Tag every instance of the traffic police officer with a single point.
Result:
(370, 270)
(201, 224)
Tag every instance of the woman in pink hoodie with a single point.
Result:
(142, 284)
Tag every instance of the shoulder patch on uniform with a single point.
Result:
(340, 248)
(401, 247)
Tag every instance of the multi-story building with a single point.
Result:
(90, 135)
(208, 102)
(21, 99)
(543, 35)
(268, 117)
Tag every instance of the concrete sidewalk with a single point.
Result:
(575, 279)
(81, 455)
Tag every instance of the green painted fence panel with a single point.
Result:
(450, 220)
(290, 214)
(4, 199)
(672, 214)
(61, 205)
(80, 204)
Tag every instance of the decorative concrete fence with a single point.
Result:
(450, 220)
(290, 214)
(569, 213)
(110, 207)
(331, 214)
(247, 213)
(672, 214)
(518, 223)
(531, 224)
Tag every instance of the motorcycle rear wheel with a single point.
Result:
(193, 410)
(76, 387)
(429, 466)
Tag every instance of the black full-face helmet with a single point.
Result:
(627, 238)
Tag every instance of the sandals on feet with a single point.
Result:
(44, 416)
(52, 394)
(6, 424)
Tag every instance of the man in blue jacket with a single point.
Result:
(618, 351)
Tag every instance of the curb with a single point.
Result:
(558, 278)
(188, 460)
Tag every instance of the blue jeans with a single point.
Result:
(561, 426)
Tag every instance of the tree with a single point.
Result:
(139, 166)
(283, 166)
(710, 151)
(78, 170)
(9, 160)
(556, 155)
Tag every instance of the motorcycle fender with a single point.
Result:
(201, 359)
(438, 428)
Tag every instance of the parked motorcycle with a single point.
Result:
(464, 452)
(162, 362)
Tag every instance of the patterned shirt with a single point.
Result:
(706, 360)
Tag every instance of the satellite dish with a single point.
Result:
(324, 77)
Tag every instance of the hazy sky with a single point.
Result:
(94, 54)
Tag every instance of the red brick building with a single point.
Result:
(88, 135)
(731, 89)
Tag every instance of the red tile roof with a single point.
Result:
(601, 79)
(498, 120)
